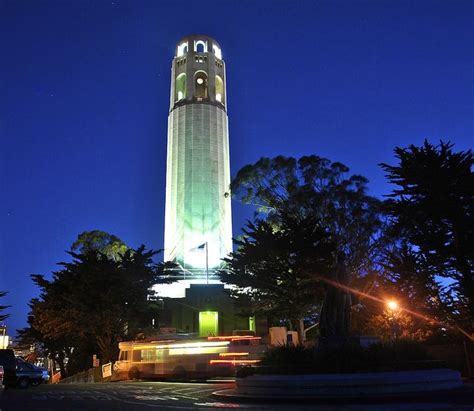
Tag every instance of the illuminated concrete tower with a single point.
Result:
(198, 225)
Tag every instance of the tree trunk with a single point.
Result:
(60, 360)
(300, 329)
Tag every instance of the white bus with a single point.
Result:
(204, 358)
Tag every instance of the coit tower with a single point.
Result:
(198, 225)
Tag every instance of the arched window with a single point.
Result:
(182, 49)
(200, 46)
(217, 51)
(200, 84)
(219, 90)
(180, 87)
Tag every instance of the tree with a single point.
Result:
(3, 317)
(277, 269)
(408, 278)
(94, 302)
(314, 187)
(405, 278)
(433, 209)
(99, 241)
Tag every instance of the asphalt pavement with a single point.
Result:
(193, 396)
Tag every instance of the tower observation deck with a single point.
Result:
(198, 224)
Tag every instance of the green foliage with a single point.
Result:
(312, 192)
(3, 317)
(389, 356)
(433, 209)
(99, 241)
(315, 186)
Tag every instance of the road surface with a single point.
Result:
(141, 396)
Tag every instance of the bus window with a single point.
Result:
(123, 356)
(137, 355)
(148, 355)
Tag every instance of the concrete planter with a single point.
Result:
(347, 385)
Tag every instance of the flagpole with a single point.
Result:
(207, 265)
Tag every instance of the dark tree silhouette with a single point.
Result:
(3, 317)
(277, 269)
(93, 302)
(433, 209)
(314, 187)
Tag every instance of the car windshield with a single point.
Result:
(23, 365)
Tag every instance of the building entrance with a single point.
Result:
(208, 323)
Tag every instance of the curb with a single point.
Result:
(232, 395)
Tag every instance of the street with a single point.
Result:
(192, 396)
(110, 396)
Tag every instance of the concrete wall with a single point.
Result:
(347, 385)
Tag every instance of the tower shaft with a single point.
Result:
(198, 228)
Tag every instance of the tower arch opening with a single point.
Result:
(182, 49)
(200, 84)
(220, 90)
(200, 46)
(217, 51)
(180, 87)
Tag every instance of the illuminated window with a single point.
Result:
(148, 355)
(180, 87)
(200, 84)
(219, 90)
(200, 46)
(137, 355)
(182, 49)
(217, 51)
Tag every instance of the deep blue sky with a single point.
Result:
(84, 91)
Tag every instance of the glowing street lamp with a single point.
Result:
(393, 306)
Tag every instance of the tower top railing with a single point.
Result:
(198, 44)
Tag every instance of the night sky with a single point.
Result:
(84, 99)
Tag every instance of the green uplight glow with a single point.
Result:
(198, 204)
(198, 177)
(252, 323)
(208, 323)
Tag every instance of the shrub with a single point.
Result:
(348, 358)
(289, 356)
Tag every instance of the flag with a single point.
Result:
(199, 247)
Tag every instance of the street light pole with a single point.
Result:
(392, 306)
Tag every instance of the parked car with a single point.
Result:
(18, 372)
(27, 373)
